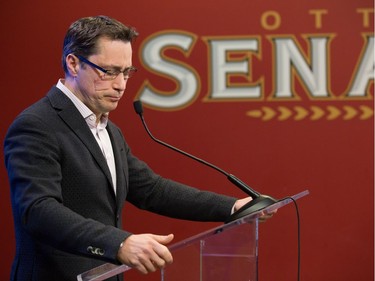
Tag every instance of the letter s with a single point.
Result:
(185, 77)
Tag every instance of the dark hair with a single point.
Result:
(83, 34)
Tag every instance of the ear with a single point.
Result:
(72, 64)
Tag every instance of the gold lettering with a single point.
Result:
(318, 17)
(365, 15)
(272, 24)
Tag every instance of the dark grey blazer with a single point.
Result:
(67, 218)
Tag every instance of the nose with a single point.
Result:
(119, 84)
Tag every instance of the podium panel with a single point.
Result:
(227, 252)
(222, 256)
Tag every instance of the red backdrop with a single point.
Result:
(303, 123)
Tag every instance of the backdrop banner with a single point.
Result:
(279, 93)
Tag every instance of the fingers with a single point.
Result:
(159, 256)
(161, 250)
(240, 203)
(164, 239)
(146, 252)
(266, 215)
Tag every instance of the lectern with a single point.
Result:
(227, 252)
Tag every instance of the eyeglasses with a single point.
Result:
(110, 74)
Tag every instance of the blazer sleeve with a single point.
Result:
(163, 196)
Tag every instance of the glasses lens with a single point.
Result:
(130, 72)
(111, 75)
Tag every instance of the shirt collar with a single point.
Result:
(86, 112)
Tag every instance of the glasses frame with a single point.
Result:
(128, 72)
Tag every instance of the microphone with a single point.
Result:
(259, 201)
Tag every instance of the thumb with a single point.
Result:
(164, 239)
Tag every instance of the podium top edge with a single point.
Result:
(253, 216)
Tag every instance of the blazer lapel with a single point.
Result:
(119, 154)
(71, 116)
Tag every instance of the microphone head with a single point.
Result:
(138, 107)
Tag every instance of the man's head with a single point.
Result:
(97, 59)
(82, 36)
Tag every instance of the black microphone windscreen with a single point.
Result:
(138, 107)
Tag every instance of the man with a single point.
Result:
(71, 170)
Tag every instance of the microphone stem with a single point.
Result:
(259, 201)
(233, 179)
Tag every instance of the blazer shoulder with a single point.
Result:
(53, 98)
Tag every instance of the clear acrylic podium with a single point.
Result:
(227, 252)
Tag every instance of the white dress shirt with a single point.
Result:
(98, 129)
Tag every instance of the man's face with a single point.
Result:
(102, 96)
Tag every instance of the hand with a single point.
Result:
(240, 203)
(264, 215)
(146, 252)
